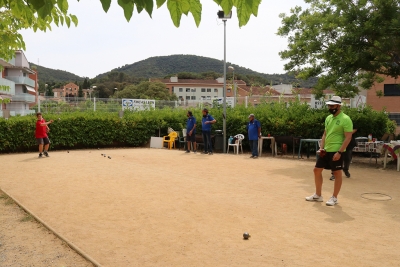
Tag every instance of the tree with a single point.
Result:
(16, 15)
(80, 91)
(346, 43)
(146, 90)
(85, 84)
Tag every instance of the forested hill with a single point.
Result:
(47, 75)
(158, 67)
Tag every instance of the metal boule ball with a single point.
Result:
(246, 235)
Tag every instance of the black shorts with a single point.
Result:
(41, 141)
(191, 138)
(326, 162)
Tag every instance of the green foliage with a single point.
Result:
(48, 75)
(146, 90)
(16, 15)
(345, 43)
(95, 129)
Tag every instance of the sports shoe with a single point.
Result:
(332, 201)
(255, 157)
(210, 153)
(40, 155)
(332, 178)
(194, 151)
(204, 152)
(315, 197)
(187, 151)
(347, 174)
(252, 157)
(46, 154)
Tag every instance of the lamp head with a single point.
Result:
(222, 15)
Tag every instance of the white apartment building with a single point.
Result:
(18, 83)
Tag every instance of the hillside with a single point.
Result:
(48, 75)
(157, 67)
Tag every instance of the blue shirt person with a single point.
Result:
(206, 123)
(254, 132)
(190, 131)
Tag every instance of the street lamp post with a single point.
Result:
(233, 84)
(224, 17)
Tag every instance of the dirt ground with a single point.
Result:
(156, 207)
(25, 242)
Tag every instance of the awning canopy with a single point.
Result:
(30, 89)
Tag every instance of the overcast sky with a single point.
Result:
(104, 41)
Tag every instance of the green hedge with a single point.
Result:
(100, 129)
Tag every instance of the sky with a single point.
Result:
(104, 41)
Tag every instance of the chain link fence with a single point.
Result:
(71, 104)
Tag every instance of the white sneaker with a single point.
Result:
(315, 197)
(332, 201)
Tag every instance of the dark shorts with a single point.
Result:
(191, 138)
(41, 141)
(326, 162)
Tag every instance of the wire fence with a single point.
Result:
(70, 104)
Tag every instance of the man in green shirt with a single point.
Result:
(336, 137)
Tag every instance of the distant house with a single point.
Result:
(19, 83)
(70, 90)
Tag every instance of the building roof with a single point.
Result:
(257, 90)
(194, 82)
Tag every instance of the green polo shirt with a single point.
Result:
(335, 128)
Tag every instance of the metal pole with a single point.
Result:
(94, 103)
(224, 91)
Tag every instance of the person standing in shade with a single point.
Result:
(336, 137)
(41, 135)
(191, 131)
(348, 155)
(206, 123)
(254, 132)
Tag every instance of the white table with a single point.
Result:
(273, 145)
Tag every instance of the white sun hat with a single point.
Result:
(335, 100)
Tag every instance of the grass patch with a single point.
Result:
(27, 218)
(7, 200)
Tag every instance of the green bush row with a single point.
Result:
(99, 129)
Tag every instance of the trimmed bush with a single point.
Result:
(100, 129)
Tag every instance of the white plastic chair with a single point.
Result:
(237, 144)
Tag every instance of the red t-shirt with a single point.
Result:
(40, 130)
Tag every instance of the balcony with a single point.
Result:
(22, 80)
(23, 98)
(7, 87)
(9, 63)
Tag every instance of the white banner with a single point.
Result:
(138, 104)
(317, 103)
(230, 101)
(358, 102)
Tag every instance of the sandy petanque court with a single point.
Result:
(150, 207)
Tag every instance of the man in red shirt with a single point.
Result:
(41, 134)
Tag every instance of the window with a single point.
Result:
(193, 89)
(188, 97)
(203, 97)
(208, 97)
(391, 89)
(208, 90)
(193, 97)
(203, 90)
(180, 90)
(187, 89)
(215, 90)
